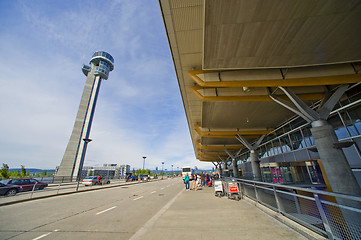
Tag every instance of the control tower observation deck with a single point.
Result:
(71, 165)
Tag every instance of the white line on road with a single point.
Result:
(138, 198)
(46, 234)
(105, 210)
(151, 221)
(162, 188)
(153, 192)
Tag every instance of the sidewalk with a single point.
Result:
(200, 215)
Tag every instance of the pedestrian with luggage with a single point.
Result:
(186, 181)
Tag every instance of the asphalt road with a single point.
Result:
(116, 213)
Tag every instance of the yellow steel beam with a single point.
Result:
(291, 82)
(252, 98)
(247, 133)
(212, 154)
(209, 160)
(219, 147)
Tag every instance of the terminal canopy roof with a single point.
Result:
(231, 56)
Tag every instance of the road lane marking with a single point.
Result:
(151, 221)
(46, 234)
(153, 192)
(105, 210)
(161, 188)
(138, 198)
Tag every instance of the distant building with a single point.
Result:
(107, 170)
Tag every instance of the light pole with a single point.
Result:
(172, 169)
(144, 162)
(86, 140)
(162, 168)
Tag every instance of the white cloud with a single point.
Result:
(139, 110)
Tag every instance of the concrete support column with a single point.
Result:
(256, 169)
(225, 168)
(336, 166)
(219, 169)
(235, 168)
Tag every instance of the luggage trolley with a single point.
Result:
(233, 191)
(218, 188)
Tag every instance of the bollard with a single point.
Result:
(31, 195)
(77, 186)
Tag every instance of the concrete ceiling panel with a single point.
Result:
(272, 34)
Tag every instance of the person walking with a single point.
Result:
(195, 182)
(186, 181)
(203, 182)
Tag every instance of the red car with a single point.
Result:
(26, 183)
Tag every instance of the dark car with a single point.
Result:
(26, 183)
(9, 190)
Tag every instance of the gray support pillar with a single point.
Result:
(219, 169)
(225, 168)
(335, 164)
(234, 163)
(235, 168)
(256, 169)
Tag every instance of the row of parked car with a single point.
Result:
(10, 187)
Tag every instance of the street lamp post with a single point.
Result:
(86, 140)
(172, 169)
(162, 169)
(144, 162)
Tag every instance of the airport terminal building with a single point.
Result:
(271, 89)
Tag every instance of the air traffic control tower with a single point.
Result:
(71, 165)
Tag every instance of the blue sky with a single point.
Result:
(139, 112)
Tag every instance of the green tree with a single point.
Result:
(15, 174)
(43, 174)
(23, 171)
(90, 173)
(4, 171)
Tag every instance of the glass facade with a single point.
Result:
(102, 70)
(104, 57)
(102, 63)
(291, 148)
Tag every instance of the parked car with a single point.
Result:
(9, 190)
(88, 181)
(105, 180)
(93, 180)
(145, 178)
(26, 183)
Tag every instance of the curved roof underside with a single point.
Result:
(274, 34)
(230, 55)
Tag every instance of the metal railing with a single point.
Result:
(333, 215)
(59, 187)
